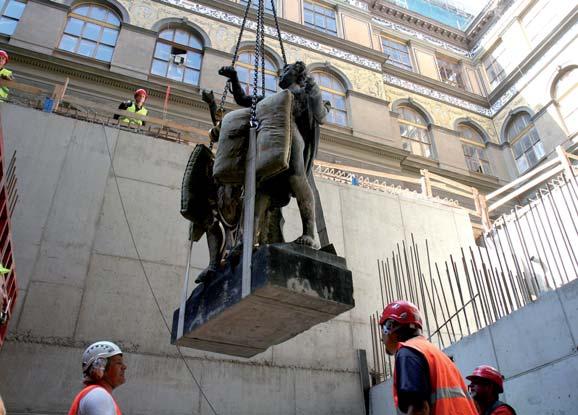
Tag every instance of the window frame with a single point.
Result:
(3, 16)
(186, 48)
(255, 4)
(457, 69)
(424, 127)
(524, 132)
(561, 98)
(102, 25)
(250, 67)
(499, 75)
(483, 163)
(397, 63)
(313, 25)
(332, 91)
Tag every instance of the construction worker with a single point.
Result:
(136, 106)
(4, 74)
(2, 407)
(103, 369)
(485, 387)
(425, 380)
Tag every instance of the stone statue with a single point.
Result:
(221, 203)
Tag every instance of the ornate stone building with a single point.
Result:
(480, 105)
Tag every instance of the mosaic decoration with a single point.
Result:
(432, 93)
(418, 35)
(289, 37)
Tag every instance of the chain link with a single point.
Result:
(259, 45)
(278, 32)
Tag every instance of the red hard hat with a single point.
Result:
(488, 373)
(4, 54)
(140, 92)
(403, 312)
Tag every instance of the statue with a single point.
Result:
(221, 204)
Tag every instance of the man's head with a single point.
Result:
(294, 73)
(486, 383)
(102, 363)
(3, 58)
(400, 321)
(140, 97)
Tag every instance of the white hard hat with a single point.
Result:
(102, 349)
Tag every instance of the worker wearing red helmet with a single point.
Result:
(425, 380)
(485, 387)
(4, 74)
(136, 106)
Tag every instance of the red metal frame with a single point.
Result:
(9, 289)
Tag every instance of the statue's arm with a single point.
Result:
(319, 107)
(241, 98)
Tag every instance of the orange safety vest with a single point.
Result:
(76, 403)
(449, 395)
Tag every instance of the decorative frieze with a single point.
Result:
(288, 37)
(359, 4)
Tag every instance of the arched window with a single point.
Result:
(333, 91)
(246, 69)
(178, 56)
(474, 149)
(415, 136)
(567, 99)
(91, 31)
(525, 141)
(10, 13)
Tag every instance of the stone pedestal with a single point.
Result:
(293, 288)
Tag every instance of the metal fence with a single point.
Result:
(527, 252)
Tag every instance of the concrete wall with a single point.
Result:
(80, 278)
(535, 348)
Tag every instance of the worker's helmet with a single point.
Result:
(403, 312)
(488, 373)
(140, 92)
(4, 54)
(99, 350)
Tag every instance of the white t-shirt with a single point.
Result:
(97, 402)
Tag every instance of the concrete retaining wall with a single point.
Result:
(81, 280)
(535, 348)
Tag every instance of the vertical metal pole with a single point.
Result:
(181, 322)
(446, 302)
(571, 214)
(563, 276)
(249, 211)
(542, 243)
(462, 302)
(470, 290)
(380, 285)
(523, 243)
(481, 295)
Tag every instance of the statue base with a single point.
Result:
(293, 288)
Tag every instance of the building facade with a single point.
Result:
(409, 92)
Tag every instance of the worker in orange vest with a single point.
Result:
(485, 387)
(103, 370)
(425, 380)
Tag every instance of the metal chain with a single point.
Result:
(234, 60)
(263, 47)
(258, 47)
(278, 32)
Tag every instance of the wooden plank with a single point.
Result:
(366, 172)
(572, 156)
(521, 179)
(450, 182)
(22, 87)
(425, 183)
(449, 189)
(526, 187)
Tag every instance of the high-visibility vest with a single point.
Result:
(449, 395)
(4, 91)
(132, 108)
(76, 403)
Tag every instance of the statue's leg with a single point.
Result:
(215, 241)
(275, 226)
(303, 193)
(262, 203)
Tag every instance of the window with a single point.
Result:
(320, 18)
(11, 12)
(474, 149)
(333, 91)
(91, 31)
(525, 142)
(255, 5)
(414, 132)
(450, 72)
(540, 19)
(567, 99)
(178, 56)
(398, 53)
(245, 70)
(497, 63)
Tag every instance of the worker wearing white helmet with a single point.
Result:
(103, 369)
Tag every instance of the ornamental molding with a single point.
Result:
(288, 37)
(440, 96)
(419, 35)
(358, 4)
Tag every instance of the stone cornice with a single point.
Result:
(366, 97)
(422, 23)
(139, 29)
